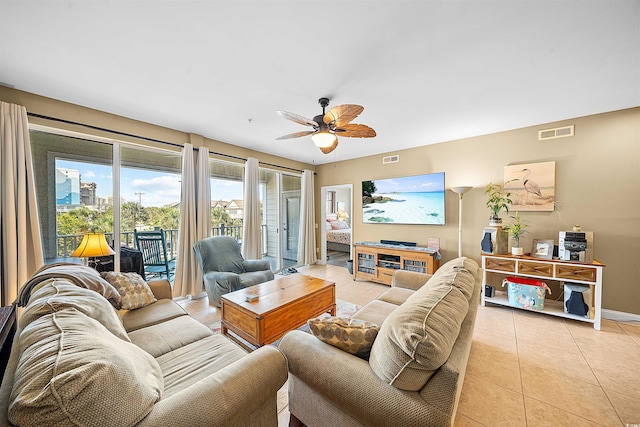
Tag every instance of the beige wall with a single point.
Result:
(597, 184)
(62, 110)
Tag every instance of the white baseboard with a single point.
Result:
(620, 316)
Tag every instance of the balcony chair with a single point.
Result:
(224, 269)
(154, 254)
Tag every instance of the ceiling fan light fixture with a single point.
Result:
(323, 139)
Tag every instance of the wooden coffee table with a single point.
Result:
(283, 304)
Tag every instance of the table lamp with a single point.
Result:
(342, 215)
(93, 245)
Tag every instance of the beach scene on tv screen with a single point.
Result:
(408, 200)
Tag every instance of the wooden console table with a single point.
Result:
(377, 262)
(558, 270)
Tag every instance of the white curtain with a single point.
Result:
(185, 278)
(203, 213)
(20, 245)
(251, 230)
(307, 236)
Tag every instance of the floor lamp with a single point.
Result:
(460, 191)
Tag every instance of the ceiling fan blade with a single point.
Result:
(297, 134)
(342, 114)
(297, 118)
(327, 150)
(356, 131)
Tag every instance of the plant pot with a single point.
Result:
(517, 251)
(494, 221)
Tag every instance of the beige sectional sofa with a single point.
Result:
(76, 360)
(415, 371)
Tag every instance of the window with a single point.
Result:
(227, 193)
(74, 187)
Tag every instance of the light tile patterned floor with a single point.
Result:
(525, 369)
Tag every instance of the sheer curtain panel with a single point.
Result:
(307, 236)
(251, 233)
(20, 243)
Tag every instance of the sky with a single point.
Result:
(156, 188)
(411, 184)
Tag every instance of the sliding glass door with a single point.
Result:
(75, 190)
(280, 203)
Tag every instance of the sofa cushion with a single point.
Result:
(57, 294)
(164, 337)
(134, 291)
(417, 337)
(158, 312)
(351, 335)
(375, 312)
(395, 296)
(187, 365)
(459, 272)
(73, 371)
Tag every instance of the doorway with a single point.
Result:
(336, 228)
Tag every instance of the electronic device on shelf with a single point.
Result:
(576, 246)
(398, 243)
(495, 241)
(575, 299)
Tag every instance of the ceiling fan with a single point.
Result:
(328, 126)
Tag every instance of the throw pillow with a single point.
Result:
(133, 289)
(350, 335)
(339, 225)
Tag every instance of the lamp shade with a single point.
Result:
(342, 215)
(93, 245)
(461, 190)
(323, 139)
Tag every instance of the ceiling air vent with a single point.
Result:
(390, 159)
(554, 133)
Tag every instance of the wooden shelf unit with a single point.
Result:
(377, 262)
(558, 270)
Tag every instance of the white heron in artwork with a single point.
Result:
(530, 186)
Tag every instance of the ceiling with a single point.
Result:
(425, 71)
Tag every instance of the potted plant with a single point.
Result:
(517, 229)
(498, 200)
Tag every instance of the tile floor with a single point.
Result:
(525, 369)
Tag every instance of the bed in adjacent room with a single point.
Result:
(338, 236)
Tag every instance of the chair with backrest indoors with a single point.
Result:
(153, 246)
(224, 269)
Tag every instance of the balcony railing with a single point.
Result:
(65, 245)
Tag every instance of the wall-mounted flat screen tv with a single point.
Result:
(408, 200)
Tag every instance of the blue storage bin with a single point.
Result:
(526, 293)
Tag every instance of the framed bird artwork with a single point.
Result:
(532, 186)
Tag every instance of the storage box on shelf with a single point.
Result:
(564, 271)
(377, 261)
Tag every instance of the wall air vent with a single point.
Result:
(554, 133)
(390, 159)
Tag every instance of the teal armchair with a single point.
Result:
(224, 269)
